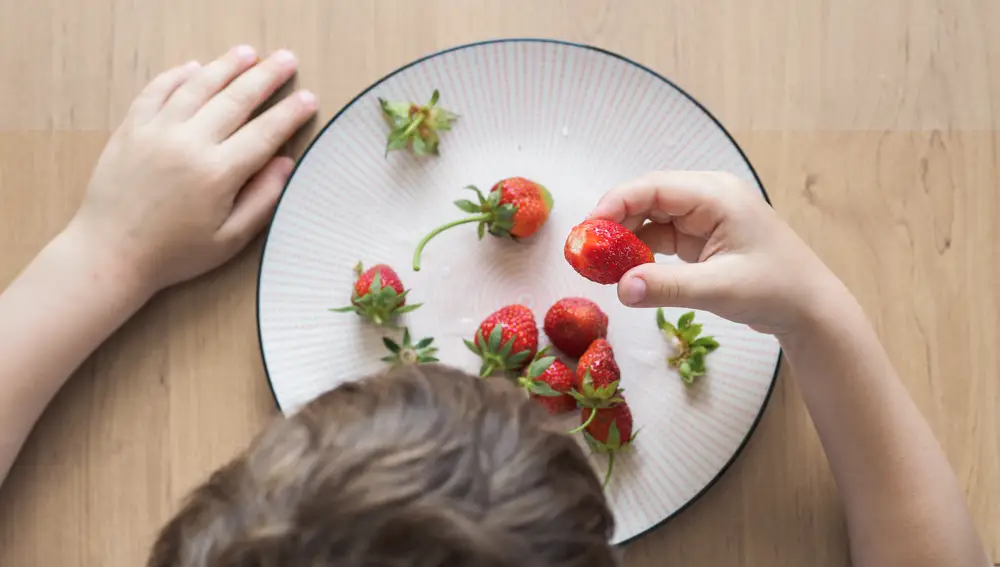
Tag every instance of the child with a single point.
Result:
(427, 466)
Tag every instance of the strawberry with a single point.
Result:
(608, 430)
(547, 381)
(506, 340)
(408, 353)
(573, 323)
(415, 126)
(378, 295)
(515, 208)
(597, 376)
(602, 250)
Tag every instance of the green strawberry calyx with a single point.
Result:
(493, 217)
(612, 445)
(380, 304)
(691, 347)
(414, 126)
(538, 366)
(496, 354)
(596, 397)
(407, 353)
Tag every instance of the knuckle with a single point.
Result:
(668, 289)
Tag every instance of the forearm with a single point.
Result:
(903, 504)
(61, 307)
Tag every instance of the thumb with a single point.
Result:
(695, 286)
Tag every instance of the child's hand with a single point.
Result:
(744, 263)
(186, 182)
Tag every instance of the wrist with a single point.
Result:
(97, 261)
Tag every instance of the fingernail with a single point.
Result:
(245, 52)
(308, 99)
(284, 56)
(631, 290)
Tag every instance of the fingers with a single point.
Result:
(207, 82)
(255, 204)
(156, 93)
(229, 109)
(252, 145)
(695, 286)
(700, 197)
(664, 238)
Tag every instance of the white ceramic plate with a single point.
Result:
(576, 119)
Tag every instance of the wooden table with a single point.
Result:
(873, 126)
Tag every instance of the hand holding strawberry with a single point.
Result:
(743, 262)
(603, 251)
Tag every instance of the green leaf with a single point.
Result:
(425, 342)
(505, 349)
(376, 286)
(691, 333)
(614, 436)
(540, 388)
(431, 359)
(540, 365)
(479, 194)
(661, 320)
(698, 351)
(391, 345)
(481, 230)
(708, 343)
(408, 308)
(467, 206)
(496, 335)
(471, 346)
(685, 321)
(434, 98)
(420, 147)
(389, 358)
(685, 369)
(406, 336)
(518, 358)
(697, 364)
(347, 309)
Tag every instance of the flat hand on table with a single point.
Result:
(186, 181)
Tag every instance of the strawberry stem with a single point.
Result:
(593, 414)
(439, 230)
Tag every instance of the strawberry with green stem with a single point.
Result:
(608, 431)
(506, 340)
(598, 379)
(691, 349)
(407, 353)
(548, 381)
(515, 208)
(378, 295)
(416, 126)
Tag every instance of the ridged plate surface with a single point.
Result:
(576, 119)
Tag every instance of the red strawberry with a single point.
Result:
(608, 430)
(547, 381)
(573, 323)
(602, 250)
(598, 376)
(515, 208)
(506, 340)
(378, 295)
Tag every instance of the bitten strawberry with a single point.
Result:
(598, 376)
(378, 295)
(608, 430)
(573, 323)
(408, 353)
(506, 340)
(415, 126)
(603, 251)
(547, 381)
(515, 208)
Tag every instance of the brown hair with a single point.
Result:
(421, 466)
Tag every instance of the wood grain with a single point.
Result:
(873, 126)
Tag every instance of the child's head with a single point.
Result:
(421, 466)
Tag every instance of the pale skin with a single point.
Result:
(187, 182)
